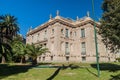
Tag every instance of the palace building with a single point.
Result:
(69, 40)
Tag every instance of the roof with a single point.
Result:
(65, 21)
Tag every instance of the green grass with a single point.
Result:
(109, 71)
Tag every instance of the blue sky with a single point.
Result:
(36, 12)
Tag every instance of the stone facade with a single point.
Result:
(68, 40)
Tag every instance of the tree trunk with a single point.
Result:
(34, 61)
(3, 59)
(22, 60)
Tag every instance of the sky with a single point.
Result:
(36, 12)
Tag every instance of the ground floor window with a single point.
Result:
(67, 58)
(43, 58)
(83, 58)
(51, 58)
(39, 58)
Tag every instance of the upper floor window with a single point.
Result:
(52, 31)
(45, 32)
(75, 33)
(38, 34)
(82, 33)
(66, 48)
(83, 48)
(62, 31)
(71, 33)
(67, 33)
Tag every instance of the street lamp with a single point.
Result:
(96, 45)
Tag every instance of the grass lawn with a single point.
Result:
(84, 71)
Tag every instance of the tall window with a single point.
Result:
(45, 32)
(67, 33)
(45, 35)
(43, 58)
(82, 33)
(52, 31)
(62, 31)
(67, 58)
(66, 48)
(51, 58)
(83, 50)
(75, 33)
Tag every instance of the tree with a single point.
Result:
(8, 29)
(6, 51)
(34, 51)
(9, 26)
(19, 50)
(110, 24)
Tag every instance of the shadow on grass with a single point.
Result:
(8, 70)
(115, 77)
(107, 66)
(63, 67)
(91, 72)
(44, 63)
(54, 74)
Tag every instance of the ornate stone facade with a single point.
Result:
(68, 40)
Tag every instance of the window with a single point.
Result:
(67, 33)
(38, 34)
(43, 58)
(51, 58)
(67, 58)
(62, 31)
(52, 31)
(39, 58)
(83, 51)
(45, 45)
(71, 34)
(83, 58)
(75, 33)
(66, 48)
(45, 35)
(82, 33)
(45, 32)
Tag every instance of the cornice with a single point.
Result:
(63, 21)
(50, 23)
(86, 22)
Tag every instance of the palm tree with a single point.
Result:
(9, 26)
(19, 50)
(5, 50)
(8, 29)
(34, 51)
